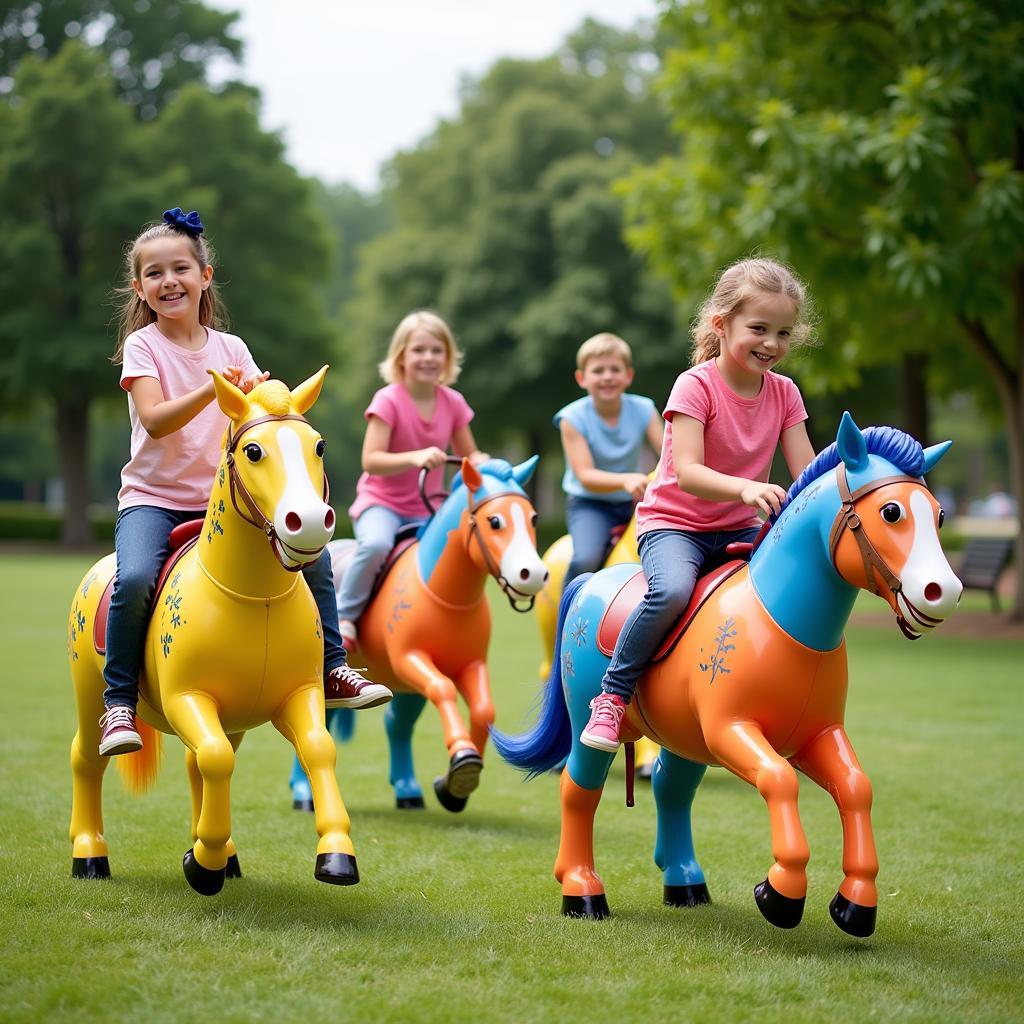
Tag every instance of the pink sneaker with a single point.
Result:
(602, 731)
(119, 734)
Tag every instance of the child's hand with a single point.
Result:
(767, 497)
(246, 385)
(233, 375)
(479, 458)
(636, 484)
(428, 458)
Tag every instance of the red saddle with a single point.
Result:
(181, 539)
(631, 593)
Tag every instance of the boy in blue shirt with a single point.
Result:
(603, 435)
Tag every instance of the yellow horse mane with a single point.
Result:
(273, 396)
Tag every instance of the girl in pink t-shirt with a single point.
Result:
(724, 419)
(168, 340)
(410, 425)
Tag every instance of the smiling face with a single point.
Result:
(605, 378)
(424, 362)
(755, 338)
(170, 280)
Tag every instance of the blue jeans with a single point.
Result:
(672, 561)
(375, 531)
(590, 526)
(141, 541)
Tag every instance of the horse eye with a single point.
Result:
(533, 520)
(497, 522)
(942, 517)
(253, 452)
(892, 512)
(320, 446)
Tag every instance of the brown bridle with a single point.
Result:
(848, 519)
(256, 517)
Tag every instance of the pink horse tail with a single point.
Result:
(140, 769)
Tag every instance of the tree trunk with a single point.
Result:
(916, 421)
(73, 447)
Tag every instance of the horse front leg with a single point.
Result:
(301, 722)
(194, 717)
(830, 761)
(675, 783)
(399, 721)
(475, 687)
(417, 669)
(742, 748)
(195, 787)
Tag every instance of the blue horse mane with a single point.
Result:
(498, 468)
(895, 446)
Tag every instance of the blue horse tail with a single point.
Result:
(548, 743)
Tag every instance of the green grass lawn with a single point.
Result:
(457, 916)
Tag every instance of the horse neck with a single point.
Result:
(793, 575)
(236, 555)
(446, 570)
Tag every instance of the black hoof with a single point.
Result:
(594, 908)
(463, 773)
(779, 910)
(233, 869)
(687, 895)
(203, 880)
(446, 800)
(302, 805)
(90, 867)
(410, 803)
(336, 869)
(852, 917)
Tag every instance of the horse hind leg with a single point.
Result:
(675, 782)
(89, 853)
(399, 721)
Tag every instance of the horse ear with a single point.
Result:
(850, 443)
(471, 478)
(934, 453)
(305, 395)
(233, 403)
(524, 470)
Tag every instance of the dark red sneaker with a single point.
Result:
(346, 687)
(119, 734)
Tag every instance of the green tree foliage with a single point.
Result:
(879, 146)
(507, 224)
(153, 47)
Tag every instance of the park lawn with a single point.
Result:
(457, 916)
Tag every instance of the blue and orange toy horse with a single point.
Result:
(427, 628)
(757, 682)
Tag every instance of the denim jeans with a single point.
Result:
(141, 541)
(590, 526)
(375, 531)
(672, 561)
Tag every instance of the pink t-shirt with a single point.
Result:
(740, 438)
(409, 431)
(176, 471)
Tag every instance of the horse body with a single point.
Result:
(757, 683)
(234, 641)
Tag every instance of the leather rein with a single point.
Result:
(255, 516)
(848, 519)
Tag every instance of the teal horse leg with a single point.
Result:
(675, 783)
(399, 721)
(341, 723)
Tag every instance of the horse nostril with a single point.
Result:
(932, 592)
(293, 522)
(329, 519)
(524, 574)
(546, 575)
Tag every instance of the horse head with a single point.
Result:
(885, 536)
(500, 527)
(274, 460)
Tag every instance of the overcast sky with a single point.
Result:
(347, 83)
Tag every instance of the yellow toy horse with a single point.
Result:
(234, 641)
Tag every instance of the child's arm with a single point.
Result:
(704, 482)
(797, 449)
(162, 416)
(380, 462)
(656, 432)
(464, 444)
(577, 454)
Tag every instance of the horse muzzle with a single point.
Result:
(301, 532)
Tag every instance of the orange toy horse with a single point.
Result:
(235, 642)
(757, 683)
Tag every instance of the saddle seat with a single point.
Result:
(181, 539)
(632, 592)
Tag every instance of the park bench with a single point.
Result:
(983, 563)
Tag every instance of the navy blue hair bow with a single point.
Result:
(187, 222)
